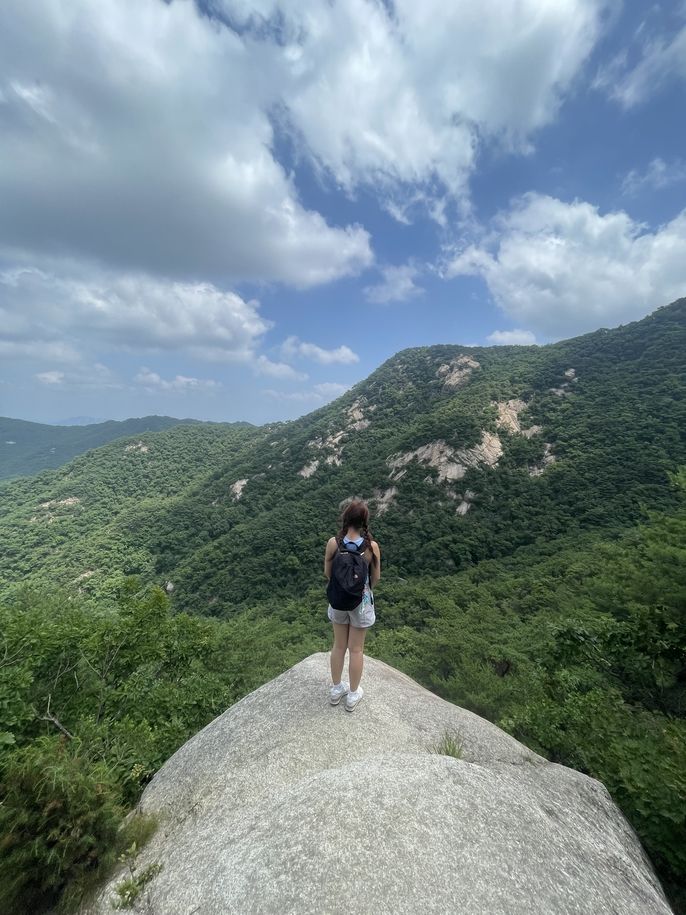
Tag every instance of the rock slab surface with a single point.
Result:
(286, 804)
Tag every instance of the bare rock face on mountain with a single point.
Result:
(456, 373)
(286, 804)
(451, 464)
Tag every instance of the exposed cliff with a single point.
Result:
(287, 804)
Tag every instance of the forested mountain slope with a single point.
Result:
(55, 525)
(27, 448)
(465, 454)
(534, 541)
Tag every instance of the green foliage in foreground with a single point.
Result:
(130, 889)
(91, 705)
(450, 744)
(60, 818)
(581, 656)
(578, 650)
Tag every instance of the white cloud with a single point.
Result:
(140, 134)
(126, 310)
(152, 382)
(53, 377)
(398, 212)
(265, 366)
(563, 268)
(83, 375)
(403, 94)
(398, 285)
(292, 347)
(330, 389)
(299, 396)
(37, 350)
(319, 393)
(661, 59)
(658, 175)
(514, 337)
(137, 133)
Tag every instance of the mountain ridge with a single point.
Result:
(506, 445)
(27, 447)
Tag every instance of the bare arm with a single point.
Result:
(375, 570)
(329, 553)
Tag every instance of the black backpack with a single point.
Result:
(349, 571)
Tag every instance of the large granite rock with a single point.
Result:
(286, 804)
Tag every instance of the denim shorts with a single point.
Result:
(362, 617)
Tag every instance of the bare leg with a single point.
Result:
(340, 643)
(356, 649)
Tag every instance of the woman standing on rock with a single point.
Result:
(350, 625)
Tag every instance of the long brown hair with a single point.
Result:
(355, 513)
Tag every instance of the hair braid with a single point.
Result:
(355, 513)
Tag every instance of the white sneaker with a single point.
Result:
(352, 699)
(337, 692)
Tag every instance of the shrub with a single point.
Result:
(59, 818)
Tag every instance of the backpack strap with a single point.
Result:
(358, 550)
(351, 548)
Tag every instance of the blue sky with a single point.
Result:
(235, 209)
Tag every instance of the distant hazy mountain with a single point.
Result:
(79, 421)
(27, 448)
